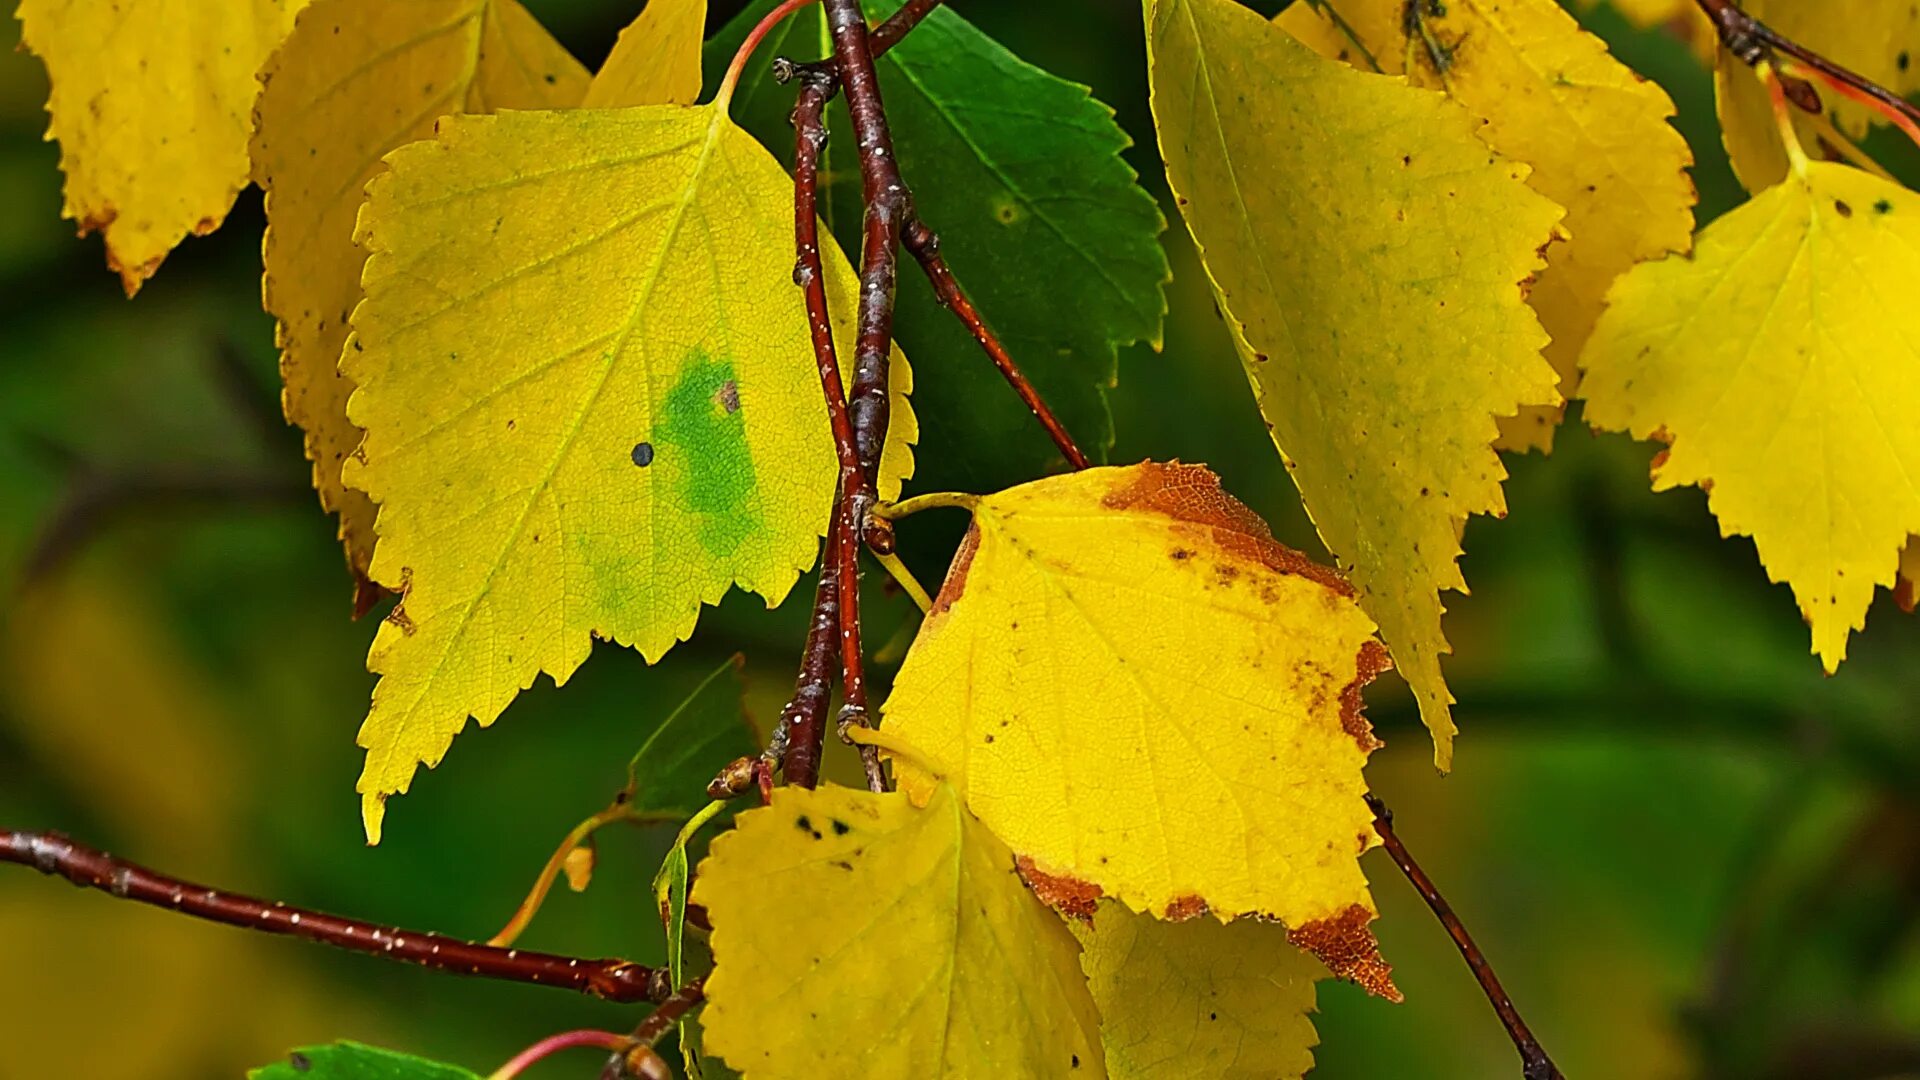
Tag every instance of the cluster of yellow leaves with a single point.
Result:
(1370, 253)
(1548, 94)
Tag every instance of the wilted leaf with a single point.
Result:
(1138, 690)
(1779, 362)
(152, 105)
(1228, 1001)
(1369, 252)
(355, 80)
(352, 1061)
(1046, 227)
(1549, 94)
(855, 935)
(590, 401)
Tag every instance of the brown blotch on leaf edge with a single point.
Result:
(1192, 493)
(956, 583)
(1187, 907)
(1071, 897)
(1368, 666)
(1345, 943)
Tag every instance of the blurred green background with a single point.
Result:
(1686, 851)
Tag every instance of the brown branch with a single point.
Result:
(56, 856)
(924, 246)
(1751, 41)
(898, 25)
(637, 1059)
(1535, 1064)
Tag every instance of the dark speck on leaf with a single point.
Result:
(1883, 207)
(299, 1061)
(841, 828)
(1076, 1061)
(1842, 208)
(643, 454)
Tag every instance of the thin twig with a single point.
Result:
(898, 25)
(1751, 40)
(1535, 1064)
(655, 1027)
(924, 246)
(56, 856)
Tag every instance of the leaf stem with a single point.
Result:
(525, 1059)
(544, 882)
(933, 500)
(1535, 1064)
(1752, 41)
(57, 856)
(745, 51)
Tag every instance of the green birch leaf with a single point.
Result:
(352, 1061)
(1047, 229)
(669, 773)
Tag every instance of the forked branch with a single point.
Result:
(1752, 41)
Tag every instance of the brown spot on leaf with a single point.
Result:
(1191, 493)
(728, 396)
(1071, 897)
(1187, 907)
(1345, 943)
(366, 594)
(1372, 661)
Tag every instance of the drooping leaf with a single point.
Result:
(1369, 252)
(670, 771)
(1229, 1001)
(354, 81)
(1596, 134)
(1780, 365)
(152, 106)
(670, 884)
(1044, 225)
(353, 1061)
(590, 402)
(1144, 695)
(656, 60)
(857, 935)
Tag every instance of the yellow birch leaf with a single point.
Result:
(356, 80)
(1199, 998)
(590, 403)
(1747, 126)
(152, 104)
(656, 60)
(856, 935)
(1550, 94)
(1782, 364)
(1370, 253)
(1146, 697)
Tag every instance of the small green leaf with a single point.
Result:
(669, 773)
(353, 1061)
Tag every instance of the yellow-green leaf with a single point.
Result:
(590, 401)
(1370, 253)
(152, 104)
(1137, 689)
(1782, 364)
(1227, 1001)
(855, 935)
(656, 60)
(1550, 94)
(354, 81)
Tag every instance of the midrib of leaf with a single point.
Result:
(592, 398)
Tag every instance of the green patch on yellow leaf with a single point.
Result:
(354, 81)
(1140, 691)
(857, 935)
(152, 105)
(1779, 364)
(590, 403)
(1229, 1001)
(1370, 253)
(1549, 94)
